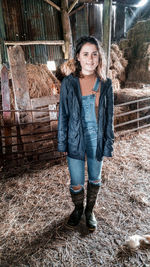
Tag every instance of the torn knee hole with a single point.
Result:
(76, 187)
(95, 182)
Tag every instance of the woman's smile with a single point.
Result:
(88, 58)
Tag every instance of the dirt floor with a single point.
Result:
(35, 204)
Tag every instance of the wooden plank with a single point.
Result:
(6, 106)
(44, 101)
(44, 104)
(5, 95)
(21, 92)
(47, 111)
(37, 42)
(20, 82)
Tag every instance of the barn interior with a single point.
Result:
(37, 40)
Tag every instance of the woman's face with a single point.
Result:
(88, 58)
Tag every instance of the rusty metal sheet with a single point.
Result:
(5, 95)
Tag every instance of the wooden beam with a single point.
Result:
(72, 6)
(107, 15)
(77, 9)
(66, 29)
(59, 42)
(53, 4)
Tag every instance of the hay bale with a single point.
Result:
(124, 43)
(140, 70)
(137, 50)
(42, 81)
(65, 69)
(141, 28)
(117, 51)
(112, 74)
(118, 64)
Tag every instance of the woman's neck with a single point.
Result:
(87, 76)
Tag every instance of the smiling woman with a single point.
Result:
(85, 126)
(88, 58)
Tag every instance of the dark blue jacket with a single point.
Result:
(70, 132)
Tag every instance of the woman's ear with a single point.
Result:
(77, 57)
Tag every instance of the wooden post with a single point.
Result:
(66, 29)
(20, 83)
(21, 93)
(107, 14)
(120, 21)
(6, 114)
(2, 36)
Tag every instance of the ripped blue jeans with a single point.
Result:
(94, 167)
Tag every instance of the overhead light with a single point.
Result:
(141, 3)
(51, 65)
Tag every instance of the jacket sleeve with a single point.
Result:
(109, 130)
(63, 118)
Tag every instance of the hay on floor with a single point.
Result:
(35, 204)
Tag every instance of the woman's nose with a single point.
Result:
(90, 57)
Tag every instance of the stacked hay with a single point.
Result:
(137, 50)
(117, 67)
(65, 69)
(42, 81)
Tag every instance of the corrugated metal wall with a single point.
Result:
(87, 21)
(30, 20)
(33, 20)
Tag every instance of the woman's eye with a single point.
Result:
(85, 54)
(95, 54)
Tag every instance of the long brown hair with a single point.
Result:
(101, 68)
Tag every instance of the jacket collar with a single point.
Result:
(77, 89)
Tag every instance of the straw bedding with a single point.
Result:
(35, 204)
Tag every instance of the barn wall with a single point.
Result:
(26, 20)
(33, 20)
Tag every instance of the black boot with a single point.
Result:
(92, 191)
(75, 216)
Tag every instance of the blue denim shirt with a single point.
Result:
(70, 129)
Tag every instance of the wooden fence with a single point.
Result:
(31, 141)
(37, 140)
(140, 108)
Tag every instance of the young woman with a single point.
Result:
(85, 126)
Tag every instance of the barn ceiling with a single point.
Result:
(124, 2)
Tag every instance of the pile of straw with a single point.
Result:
(136, 49)
(118, 64)
(42, 82)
